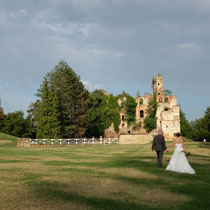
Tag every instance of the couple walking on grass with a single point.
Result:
(178, 161)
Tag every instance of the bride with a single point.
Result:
(178, 161)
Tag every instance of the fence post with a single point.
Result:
(101, 140)
(93, 140)
(109, 140)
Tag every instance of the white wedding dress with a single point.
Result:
(179, 162)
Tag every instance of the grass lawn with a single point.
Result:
(102, 177)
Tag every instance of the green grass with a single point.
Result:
(7, 140)
(100, 177)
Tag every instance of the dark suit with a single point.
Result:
(159, 145)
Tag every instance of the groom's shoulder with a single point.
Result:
(159, 137)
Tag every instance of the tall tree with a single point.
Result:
(33, 116)
(71, 97)
(48, 123)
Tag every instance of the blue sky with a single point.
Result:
(117, 45)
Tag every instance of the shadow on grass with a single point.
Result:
(196, 187)
(12, 161)
(54, 190)
(205, 145)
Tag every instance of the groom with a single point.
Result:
(159, 145)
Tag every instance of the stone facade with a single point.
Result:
(168, 113)
(135, 138)
(23, 142)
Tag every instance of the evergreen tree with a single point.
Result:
(48, 122)
(43, 126)
(33, 116)
(71, 97)
(54, 115)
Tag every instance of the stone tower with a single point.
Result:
(167, 113)
(157, 85)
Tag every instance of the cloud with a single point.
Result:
(91, 87)
(117, 44)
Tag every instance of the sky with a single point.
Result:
(116, 45)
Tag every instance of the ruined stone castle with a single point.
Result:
(167, 114)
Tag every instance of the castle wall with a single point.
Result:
(168, 114)
(135, 139)
(168, 117)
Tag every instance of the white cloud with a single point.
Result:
(91, 87)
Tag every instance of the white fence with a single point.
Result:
(74, 141)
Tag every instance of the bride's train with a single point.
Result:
(179, 162)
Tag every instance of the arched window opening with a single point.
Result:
(166, 99)
(166, 109)
(141, 113)
(123, 117)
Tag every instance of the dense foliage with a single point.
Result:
(64, 109)
(130, 107)
(197, 130)
(2, 115)
(72, 100)
(60, 110)
(15, 124)
(150, 119)
(49, 124)
(201, 127)
(102, 110)
(186, 128)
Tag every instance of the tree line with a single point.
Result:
(65, 108)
